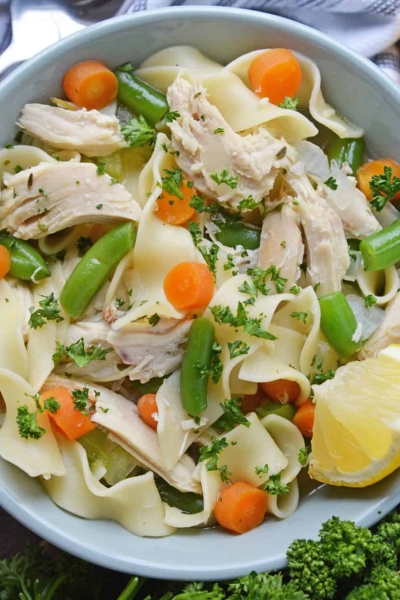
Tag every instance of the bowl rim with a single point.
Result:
(37, 523)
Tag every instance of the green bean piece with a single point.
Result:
(92, 271)
(150, 387)
(287, 411)
(381, 249)
(26, 262)
(339, 324)
(350, 150)
(188, 502)
(239, 234)
(140, 97)
(196, 365)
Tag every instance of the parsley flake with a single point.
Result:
(331, 183)
(384, 187)
(79, 354)
(300, 316)
(275, 487)
(138, 132)
(303, 456)
(369, 300)
(237, 348)
(48, 311)
(224, 177)
(289, 103)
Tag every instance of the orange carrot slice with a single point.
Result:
(189, 285)
(282, 390)
(241, 507)
(5, 261)
(375, 167)
(275, 74)
(147, 407)
(304, 418)
(90, 84)
(70, 421)
(174, 210)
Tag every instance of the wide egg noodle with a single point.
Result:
(158, 248)
(34, 456)
(13, 355)
(289, 439)
(383, 285)
(134, 503)
(248, 448)
(22, 156)
(284, 505)
(222, 84)
(310, 94)
(42, 340)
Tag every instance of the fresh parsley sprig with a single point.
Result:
(274, 486)
(210, 255)
(232, 416)
(224, 177)
(289, 103)
(48, 311)
(79, 354)
(210, 454)
(27, 421)
(251, 326)
(384, 187)
(138, 132)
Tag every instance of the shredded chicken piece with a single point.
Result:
(387, 333)
(207, 145)
(327, 251)
(88, 131)
(121, 418)
(53, 196)
(154, 352)
(282, 245)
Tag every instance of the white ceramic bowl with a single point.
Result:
(357, 89)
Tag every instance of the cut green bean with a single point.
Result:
(196, 365)
(188, 502)
(287, 411)
(140, 97)
(92, 271)
(350, 150)
(26, 262)
(382, 249)
(239, 234)
(339, 324)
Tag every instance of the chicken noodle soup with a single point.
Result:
(182, 270)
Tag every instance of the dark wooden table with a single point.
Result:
(13, 535)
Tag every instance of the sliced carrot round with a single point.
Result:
(282, 390)
(5, 261)
(275, 74)
(90, 84)
(189, 285)
(304, 418)
(147, 407)
(375, 167)
(174, 210)
(71, 422)
(241, 507)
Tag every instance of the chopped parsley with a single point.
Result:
(84, 243)
(81, 399)
(232, 416)
(238, 348)
(138, 132)
(300, 316)
(101, 168)
(48, 311)
(170, 116)
(153, 320)
(251, 326)
(294, 289)
(79, 354)
(210, 454)
(199, 204)
(369, 300)
(172, 181)
(322, 376)
(331, 183)
(303, 456)
(230, 264)
(275, 487)
(289, 103)
(18, 169)
(210, 255)
(224, 177)
(219, 130)
(261, 470)
(384, 187)
(27, 421)
(114, 180)
(99, 206)
(216, 365)
(248, 204)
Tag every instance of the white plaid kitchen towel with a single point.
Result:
(371, 27)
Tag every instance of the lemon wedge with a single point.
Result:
(356, 435)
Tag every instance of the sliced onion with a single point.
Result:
(387, 215)
(313, 158)
(355, 266)
(370, 318)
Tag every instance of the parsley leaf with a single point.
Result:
(84, 243)
(248, 204)
(79, 354)
(232, 416)
(216, 365)
(259, 276)
(230, 264)
(101, 168)
(224, 177)
(200, 206)
(331, 183)
(369, 300)
(172, 181)
(224, 315)
(27, 423)
(261, 470)
(211, 255)
(170, 116)
(294, 289)
(237, 348)
(303, 456)
(320, 377)
(289, 103)
(210, 453)
(153, 320)
(384, 187)
(49, 311)
(219, 130)
(52, 405)
(138, 132)
(81, 399)
(275, 487)
(300, 316)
